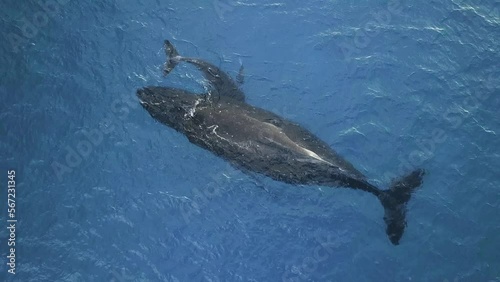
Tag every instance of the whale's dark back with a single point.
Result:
(257, 140)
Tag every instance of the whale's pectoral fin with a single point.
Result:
(173, 57)
(240, 78)
(395, 200)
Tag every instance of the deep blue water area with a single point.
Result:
(106, 193)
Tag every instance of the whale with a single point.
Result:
(259, 141)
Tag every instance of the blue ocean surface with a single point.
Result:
(106, 193)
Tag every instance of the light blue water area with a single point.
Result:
(106, 193)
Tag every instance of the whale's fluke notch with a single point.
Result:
(395, 200)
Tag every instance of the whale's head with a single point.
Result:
(170, 106)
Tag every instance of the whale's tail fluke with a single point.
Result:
(173, 57)
(394, 201)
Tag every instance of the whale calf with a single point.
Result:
(256, 140)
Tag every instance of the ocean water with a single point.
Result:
(105, 193)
